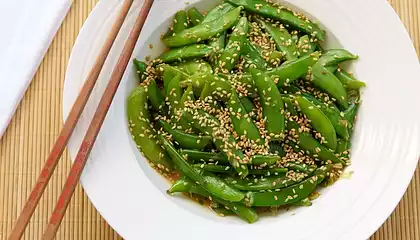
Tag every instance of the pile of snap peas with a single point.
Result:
(245, 111)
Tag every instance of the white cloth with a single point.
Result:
(27, 28)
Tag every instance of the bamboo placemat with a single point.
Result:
(37, 122)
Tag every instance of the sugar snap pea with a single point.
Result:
(246, 213)
(141, 69)
(333, 114)
(314, 148)
(305, 46)
(185, 140)
(271, 171)
(269, 183)
(226, 144)
(231, 54)
(218, 12)
(248, 105)
(180, 21)
(143, 133)
(266, 160)
(208, 157)
(174, 93)
(283, 39)
(349, 81)
(273, 57)
(241, 121)
(319, 121)
(187, 52)
(254, 55)
(156, 97)
(328, 82)
(283, 15)
(217, 42)
(272, 104)
(195, 67)
(203, 31)
(188, 95)
(208, 182)
(292, 70)
(195, 16)
(336, 56)
(216, 87)
(287, 195)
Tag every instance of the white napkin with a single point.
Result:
(27, 28)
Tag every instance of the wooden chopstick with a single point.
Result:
(69, 126)
(96, 123)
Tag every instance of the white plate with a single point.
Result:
(131, 196)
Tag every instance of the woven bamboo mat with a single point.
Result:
(37, 123)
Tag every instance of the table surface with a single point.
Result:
(37, 123)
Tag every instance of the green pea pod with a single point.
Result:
(282, 38)
(231, 54)
(335, 56)
(288, 104)
(227, 170)
(254, 55)
(141, 69)
(143, 133)
(195, 16)
(351, 114)
(343, 148)
(248, 105)
(265, 159)
(217, 87)
(203, 31)
(328, 82)
(226, 144)
(195, 67)
(269, 183)
(287, 195)
(319, 121)
(272, 104)
(218, 12)
(312, 147)
(186, 185)
(208, 182)
(241, 121)
(185, 140)
(156, 97)
(245, 80)
(349, 81)
(208, 157)
(272, 171)
(281, 14)
(217, 42)
(187, 52)
(292, 70)
(305, 46)
(333, 114)
(174, 94)
(187, 96)
(214, 168)
(180, 21)
(274, 58)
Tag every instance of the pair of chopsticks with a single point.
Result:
(92, 132)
